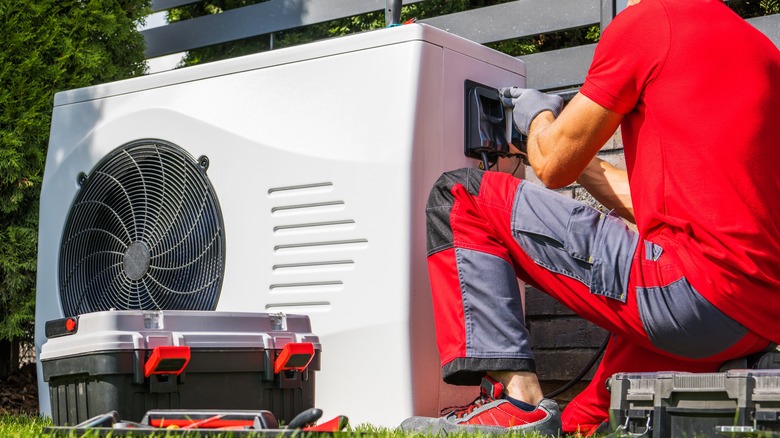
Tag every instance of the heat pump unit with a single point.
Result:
(289, 181)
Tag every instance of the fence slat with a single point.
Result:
(769, 25)
(568, 67)
(519, 19)
(559, 68)
(249, 21)
(164, 5)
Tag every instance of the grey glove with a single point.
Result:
(527, 103)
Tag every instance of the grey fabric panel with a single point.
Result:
(570, 238)
(652, 251)
(440, 200)
(438, 232)
(679, 320)
(495, 326)
(613, 256)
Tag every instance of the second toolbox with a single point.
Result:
(740, 402)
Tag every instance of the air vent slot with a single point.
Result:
(322, 246)
(314, 267)
(316, 227)
(306, 208)
(303, 189)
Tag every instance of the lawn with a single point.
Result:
(22, 426)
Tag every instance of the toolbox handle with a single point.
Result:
(294, 356)
(167, 359)
(622, 430)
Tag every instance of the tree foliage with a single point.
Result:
(48, 46)
(755, 8)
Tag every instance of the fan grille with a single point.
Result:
(145, 232)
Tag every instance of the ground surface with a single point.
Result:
(19, 392)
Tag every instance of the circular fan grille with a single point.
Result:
(145, 232)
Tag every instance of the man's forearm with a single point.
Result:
(609, 185)
(559, 149)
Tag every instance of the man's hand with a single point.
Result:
(527, 103)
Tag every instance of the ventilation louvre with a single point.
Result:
(145, 232)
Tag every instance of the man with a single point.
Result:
(696, 91)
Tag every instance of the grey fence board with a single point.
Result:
(563, 68)
(519, 19)
(249, 21)
(162, 5)
(769, 25)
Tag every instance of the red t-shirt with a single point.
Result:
(700, 91)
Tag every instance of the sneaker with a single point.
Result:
(490, 413)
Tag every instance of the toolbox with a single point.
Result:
(742, 402)
(133, 361)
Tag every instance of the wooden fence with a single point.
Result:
(522, 18)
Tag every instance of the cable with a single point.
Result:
(519, 162)
(485, 161)
(582, 373)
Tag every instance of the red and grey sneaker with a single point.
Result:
(492, 414)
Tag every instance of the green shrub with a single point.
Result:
(48, 46)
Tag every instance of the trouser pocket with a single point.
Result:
(570, 238)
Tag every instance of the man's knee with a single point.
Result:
(439, 206)
(441, 193)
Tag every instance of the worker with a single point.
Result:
(696, 92)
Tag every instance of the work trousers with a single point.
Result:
(486, 229)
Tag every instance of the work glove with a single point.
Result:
(527, 103)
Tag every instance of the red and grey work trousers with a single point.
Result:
(486, 229)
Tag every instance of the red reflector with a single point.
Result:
(294, 356)
(167, 360)
(70, 324)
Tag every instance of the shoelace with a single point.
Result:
(463, 410)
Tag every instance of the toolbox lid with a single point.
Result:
(117, 330)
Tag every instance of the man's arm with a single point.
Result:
(563, 149)
(560, 149)
(609, 185)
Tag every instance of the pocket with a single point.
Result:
(581, 233)
(678, 320)
(615, 248)
(570, 238)
(540, 219)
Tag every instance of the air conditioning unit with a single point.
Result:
(289, 181)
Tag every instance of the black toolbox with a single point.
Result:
(740, 402)
(135, 361)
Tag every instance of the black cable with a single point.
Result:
(582, 373)
(485, 161)
(519, 162)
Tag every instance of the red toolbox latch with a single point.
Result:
(167, 359)
(295, 356)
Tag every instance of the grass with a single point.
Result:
(23, 426)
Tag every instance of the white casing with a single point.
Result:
(318, 153)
